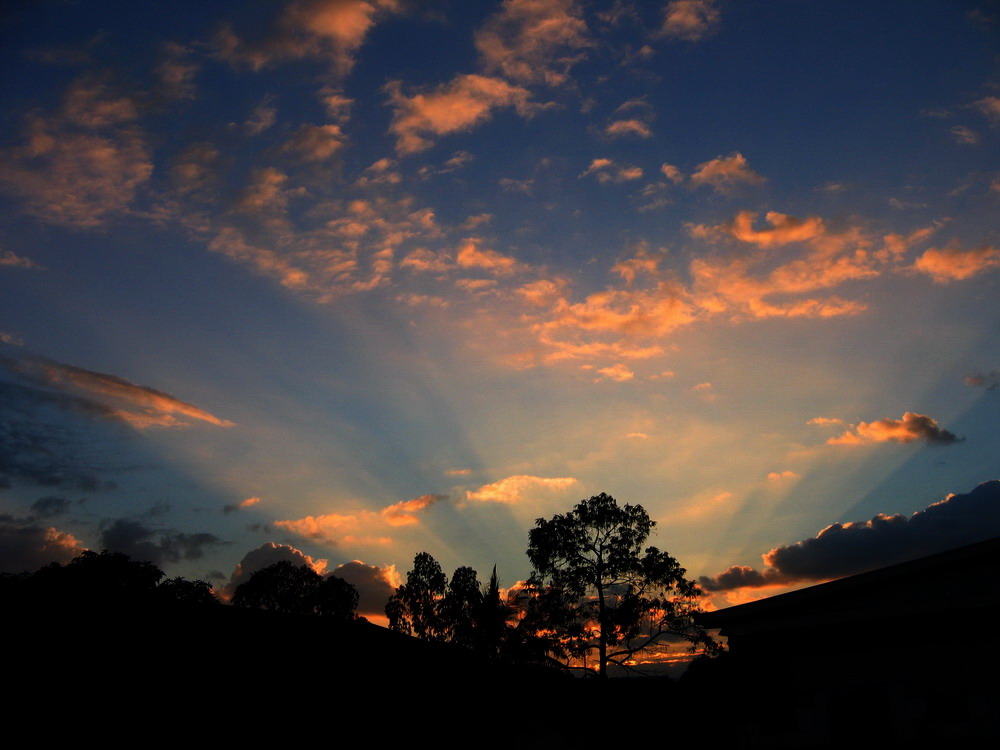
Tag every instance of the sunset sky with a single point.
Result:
(355, 279)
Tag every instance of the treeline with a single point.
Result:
(597, 597)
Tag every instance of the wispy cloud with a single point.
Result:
(534, 41)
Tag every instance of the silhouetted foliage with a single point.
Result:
(463, 612)
(595, 589)
(297, 590)
(415, 607)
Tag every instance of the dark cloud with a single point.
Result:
(41, 444)
(26, 545)
(988, 380)
(845, 549)
(373, 584)
(141, 542)
(47, 507)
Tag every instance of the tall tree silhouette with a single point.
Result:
(415, 607)
(597, 590)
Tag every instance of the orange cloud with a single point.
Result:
(778, 475)
(534, 41)
(911, 427)
(690, 20)
(403, 512)
(954, 264)
(248, 503)
(823, 421)
(513, 489)
(672, 173)
(316, 142)
(725, 172)
(617, 372)
(158, 409)
(11, 259)
(470, 255)
(785, 229)
(620, 128)
(458, 106)
(333, 30)
(230, 242)
(605, 170)
(83, 164)
(990, 106)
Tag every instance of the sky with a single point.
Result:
(341, 281)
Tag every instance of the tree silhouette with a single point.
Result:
(462, 611)
(299, 590)
(414, 609)
(596, 589)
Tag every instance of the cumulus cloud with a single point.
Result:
(147, 407)
(27, 546)
(725, 172)
(265, 555)
(458, 106)
(952, 263)
(141, 542)
(516, 488)
(83, 164)
(906, 430)
(690, 20)
(534, 41)
(327, 30)
(844, 549)
(374, 584)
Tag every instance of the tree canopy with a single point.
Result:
(462, 611)
(596, 589)
(299, 590)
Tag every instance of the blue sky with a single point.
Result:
(355, 279)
